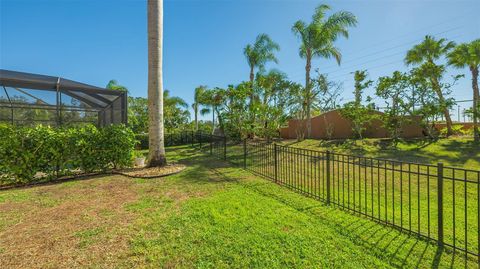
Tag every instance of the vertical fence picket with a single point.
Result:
(440, 203)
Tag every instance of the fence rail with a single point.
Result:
(435, 202)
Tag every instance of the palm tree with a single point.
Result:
(199, 98)
(156, 155)
(113, 85)
(425, 54)
(318, 39)
(258, 54)
(468, 55)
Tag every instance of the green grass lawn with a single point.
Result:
(454, 151)
(212, 215)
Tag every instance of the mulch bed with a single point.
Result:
(153, 172)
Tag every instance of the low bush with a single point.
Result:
(30, 153)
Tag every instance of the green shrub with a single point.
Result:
(457, 130)
(25, 152)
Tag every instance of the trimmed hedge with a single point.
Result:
(27, 152)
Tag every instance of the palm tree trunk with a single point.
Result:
(441, 99)
(476, 95)
(308, 66)
(155, 84)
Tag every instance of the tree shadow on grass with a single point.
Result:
(399, 248)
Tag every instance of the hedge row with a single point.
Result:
(28, 152)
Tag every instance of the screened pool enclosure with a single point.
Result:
(28, 99)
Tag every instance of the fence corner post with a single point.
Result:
(225, 148)
(276, 161)
(440, 203)
(245, 153)
(327, 166)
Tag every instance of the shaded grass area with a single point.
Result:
(454, 151)
(210, 216)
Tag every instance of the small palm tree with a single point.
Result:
(113, 85)
(425, 54)
(156, 155)
(318, 40)
(468, 55)
(199, 99)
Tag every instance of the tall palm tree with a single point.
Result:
(468, 55)
(318, 40)
(199, 98)
(425, 54)
(156, 155)
(258, 54)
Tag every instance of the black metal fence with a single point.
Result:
(435, 202)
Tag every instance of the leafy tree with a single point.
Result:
(138, 114)
(424, 55)
(360, 84)
(318, 38)
(359, 115)
(273, 89)
(393, 88)
(468, 55)
(428, 109)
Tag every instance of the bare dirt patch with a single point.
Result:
(86, 225)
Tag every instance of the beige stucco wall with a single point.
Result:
(340, 128)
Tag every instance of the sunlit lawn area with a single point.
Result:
(212, 215)
(454, 151)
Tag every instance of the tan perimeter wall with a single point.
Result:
(332, 125)
(466, 125)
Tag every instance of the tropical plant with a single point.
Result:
(175, 111)
(358, 114)
(394, 90)
(424, 55)
(360, 84)
(198, 101)
(113, 85)
(468, 55)
(156, 156)
(257, 55)
(318, 40)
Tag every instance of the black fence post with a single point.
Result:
(199, 135)
(193, 140)
(211, 144)
(276, 161)
(245, 153)
(225, 148)
(440, 202)
(328, 176)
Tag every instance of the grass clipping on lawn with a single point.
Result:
(152, 172)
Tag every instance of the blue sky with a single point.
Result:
(95, 41)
